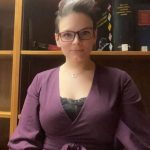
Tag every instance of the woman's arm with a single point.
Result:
(134, 127)
(28, 134)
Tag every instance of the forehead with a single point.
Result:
(75, 22)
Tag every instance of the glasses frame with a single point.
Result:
(77, 33)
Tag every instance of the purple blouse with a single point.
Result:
(109, 113)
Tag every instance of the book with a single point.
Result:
(143, 27)
(104, 27)
(124, 22)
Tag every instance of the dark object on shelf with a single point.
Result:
(53, 47)
(39, 46)
(44, 46)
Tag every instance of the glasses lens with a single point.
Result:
(67, 36)
(85, 34)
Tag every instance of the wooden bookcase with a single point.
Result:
(26, 21)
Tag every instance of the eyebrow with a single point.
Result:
(78, 30)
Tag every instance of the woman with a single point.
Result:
(79, 105)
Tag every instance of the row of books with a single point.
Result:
(124, 25)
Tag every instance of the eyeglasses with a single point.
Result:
(84, 34)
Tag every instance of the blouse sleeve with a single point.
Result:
(28, 134)
(134, 127)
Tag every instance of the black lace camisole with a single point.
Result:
(72, 107)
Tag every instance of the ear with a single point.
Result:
(57, 40)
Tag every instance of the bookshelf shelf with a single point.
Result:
(121, 53)
(4, 114)
(40, 52)
(107, 53)
(6, 52)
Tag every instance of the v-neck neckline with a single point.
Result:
(85, 101)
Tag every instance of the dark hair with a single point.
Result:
(66, 7)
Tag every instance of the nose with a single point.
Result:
(76, 39)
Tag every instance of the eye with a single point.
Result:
(67, 35)
(85, 33)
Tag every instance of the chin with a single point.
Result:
(80, 58)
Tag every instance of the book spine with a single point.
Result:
(104, 27)
(143, 28)
(123, 25)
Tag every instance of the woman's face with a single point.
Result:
(76, 37)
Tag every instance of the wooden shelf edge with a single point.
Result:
(40, 52)
(109, 53)
(121, 53)
(4, 114)
(5, 52)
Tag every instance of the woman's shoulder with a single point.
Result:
(43, 78)
(109, 69)
(111, 72)
(47, 73)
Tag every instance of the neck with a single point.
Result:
(78, 66)
(76, 70)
